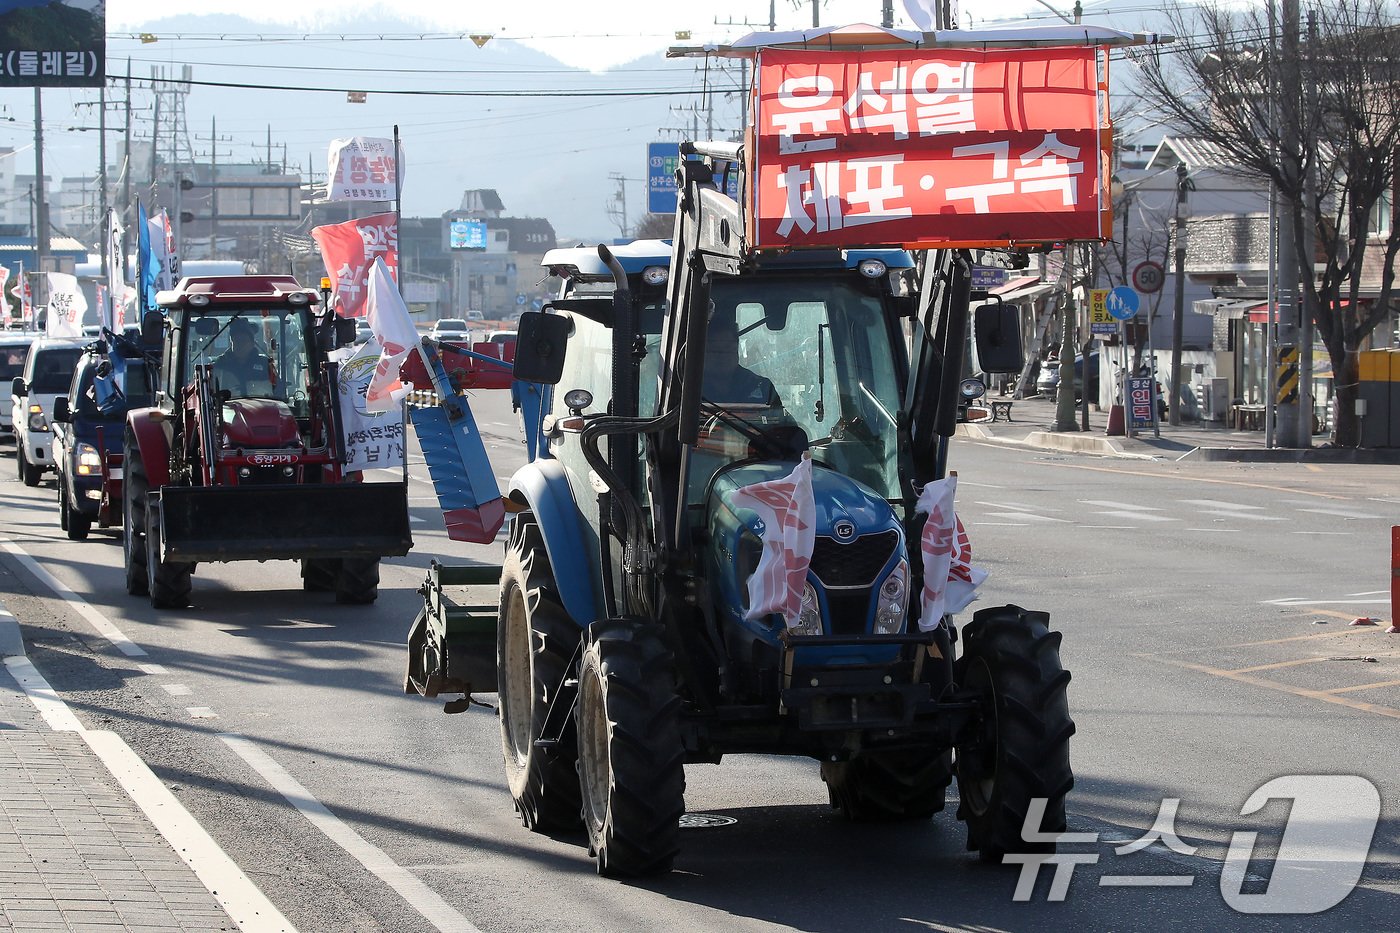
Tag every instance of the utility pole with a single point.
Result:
(1289, 412)
(1064, 398)
(102, 185)
(1179, 309)
(1308, 278)
(41, 206)
(887, 14)
(127, 216)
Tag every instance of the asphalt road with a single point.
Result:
(1205, 610)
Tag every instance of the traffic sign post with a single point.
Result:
(1123, 303)
(1148, 277)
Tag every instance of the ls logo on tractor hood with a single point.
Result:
(844, 530)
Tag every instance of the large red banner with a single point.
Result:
(349, 250)
(948, 147)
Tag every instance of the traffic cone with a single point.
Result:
(1115, 421)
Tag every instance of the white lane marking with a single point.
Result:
(1223, 530)
(1120, 506)
(156, 669)
(1028, 517)
(1299, 601)
(201, 712)
(177, 690)
(1108, 527)
(422, 898)
(1371, 593)
(999, 524)
(963, 482)
(1344, 513)
(1334, 534)
(1139, 516)
(1018, 507)
(55, 712)
(1218, 504)
(239, 897)
(1245, 515)
(96, 619)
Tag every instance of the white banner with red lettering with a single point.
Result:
(787, 512)
(364, 168)
(929, 147)
(397, 336)
(350, 249)
(950, 580)
(4, 277)
(66, 306)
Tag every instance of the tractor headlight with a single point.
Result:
(88, 461)
(972, 388)
(655, 275)
(872, 268)
(37, 421)
(809, 617)
(894, 601)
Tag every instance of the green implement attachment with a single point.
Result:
(452, 644)
(220, 523)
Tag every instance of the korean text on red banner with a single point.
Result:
(929, 148)
(350, 249)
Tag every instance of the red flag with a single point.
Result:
(950, 580)
(788, 510)
(350, 249)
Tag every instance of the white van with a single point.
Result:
(48, 372)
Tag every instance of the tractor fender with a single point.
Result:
(153, 443)
(543, 486)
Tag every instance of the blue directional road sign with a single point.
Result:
(1123, 303)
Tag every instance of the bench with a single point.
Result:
(1001, 409)
(1247, 417)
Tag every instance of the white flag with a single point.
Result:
(394, 329)
(116, 274)
(66, 306)
(364, 168)
(923, 14)
(159, 226)
(788, 511)
(950, 580)
(372, 439)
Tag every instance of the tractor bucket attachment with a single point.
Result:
(223, 523)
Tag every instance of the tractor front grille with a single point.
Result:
(853, 564)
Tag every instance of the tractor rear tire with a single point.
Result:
(134, 489)
(318, 574)
(631, 758)
(357, 583)
(908, 784)
(1020, 754)
(535, 642)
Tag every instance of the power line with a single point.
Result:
(423, 92)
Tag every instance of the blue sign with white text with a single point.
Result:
(662, 159)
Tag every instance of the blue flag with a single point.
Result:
(147, 266)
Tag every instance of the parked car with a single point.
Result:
(48, 373)
(1048, 382)
(475, 316)
(14, 350)
(87, 424)
(451, 328)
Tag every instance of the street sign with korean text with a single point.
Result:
(1100, 321)
(1123, 303)
(1148, 277)
(928, 147)
(1140, 402)
(988, 277)
(661, 177)
(62, 43)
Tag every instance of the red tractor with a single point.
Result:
(242, 456)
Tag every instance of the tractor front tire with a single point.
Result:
(134, 490)
(357, 582)
(318, 574)
(909, 784)
(167, 582)
(1020, 752)
(535, 642)
(631, 758)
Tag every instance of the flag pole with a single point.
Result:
(398, 206)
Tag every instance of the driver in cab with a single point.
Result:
(727, 381)
(241, 367)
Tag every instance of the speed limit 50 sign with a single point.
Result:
(1148, 277)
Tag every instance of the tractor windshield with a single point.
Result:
(255, 352)
(804, 362)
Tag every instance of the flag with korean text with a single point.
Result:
(364, 168)
(110, 309)
(950, 580)
(397, 336)
(25, 296)
(349, 250)
(924, 13)
(66, 306)
(373, 439)
(787, 514)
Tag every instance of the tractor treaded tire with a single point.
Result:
(357, 582)
(1012, 660)
(543, 783)
(134, 519)
(318, 574)
(631, 757)
(904, 784)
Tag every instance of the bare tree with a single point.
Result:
(655, 227)
(1330, 144)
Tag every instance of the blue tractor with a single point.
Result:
(673, 377)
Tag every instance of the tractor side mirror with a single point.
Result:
(539, 347)
(18, 389)
(61, 412)
(344, 331)
(152, 328)
(996, 345)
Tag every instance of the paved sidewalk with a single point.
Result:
(1033, 420)
(76, 852)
